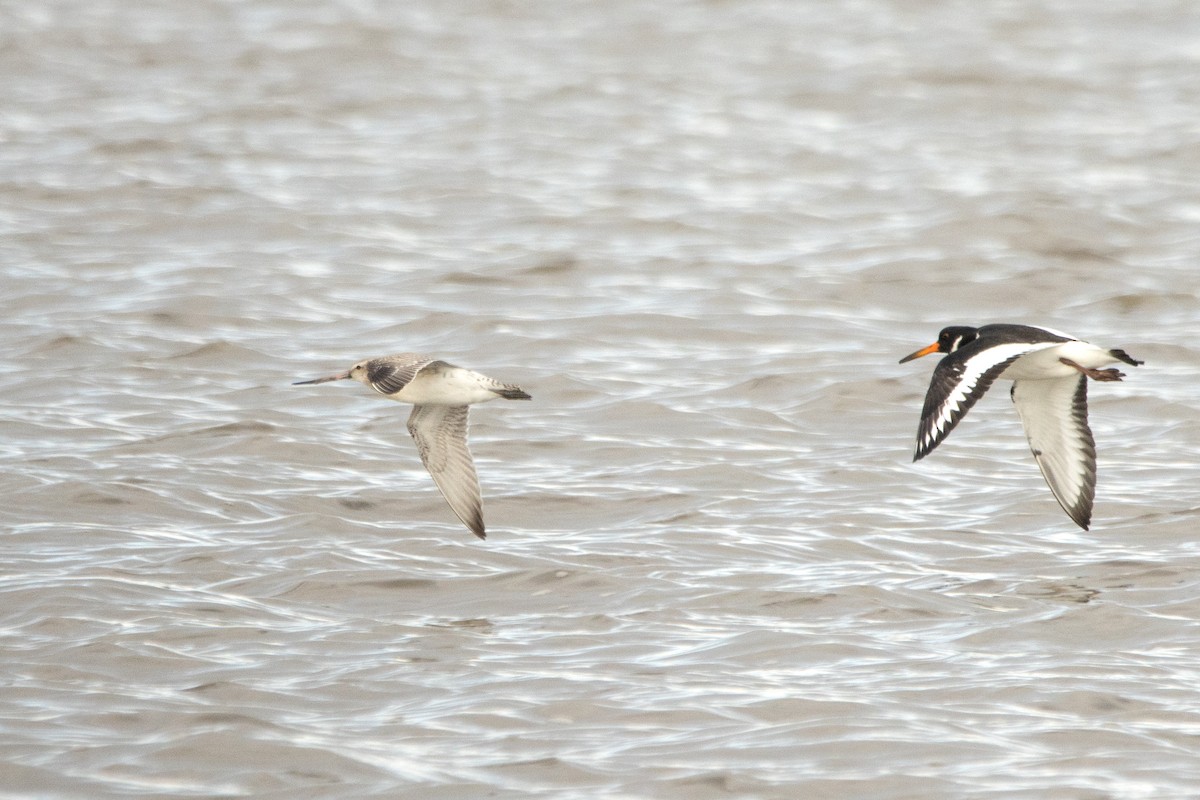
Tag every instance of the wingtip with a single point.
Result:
(1080, 514)
(921, 452)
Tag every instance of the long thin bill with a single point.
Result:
(341, 376)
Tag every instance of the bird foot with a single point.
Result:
(1110, 374)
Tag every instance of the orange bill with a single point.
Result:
(924, 351)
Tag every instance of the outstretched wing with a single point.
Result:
(1054, 413)
(390, 374)
(441, 436)
(959, 380)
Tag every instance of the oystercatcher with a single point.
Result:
(1049, 371)
(440, 394)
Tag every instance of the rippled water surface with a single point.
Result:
(701, 235)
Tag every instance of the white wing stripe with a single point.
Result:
(963, 378)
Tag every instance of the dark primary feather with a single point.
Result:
(1081, 509)
(946, 376)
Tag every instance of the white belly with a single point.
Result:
(453, 386)
(1045, 364)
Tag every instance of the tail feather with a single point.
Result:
(510, 392)
(1128, 359)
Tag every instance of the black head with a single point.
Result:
(954, 337)
(949, 340)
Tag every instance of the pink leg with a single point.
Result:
(1110, 374)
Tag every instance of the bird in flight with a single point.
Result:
(1049, 370)
(440, 394)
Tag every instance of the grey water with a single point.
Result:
(701, 234)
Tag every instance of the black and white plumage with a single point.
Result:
(440, 394)
(1049, 371)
